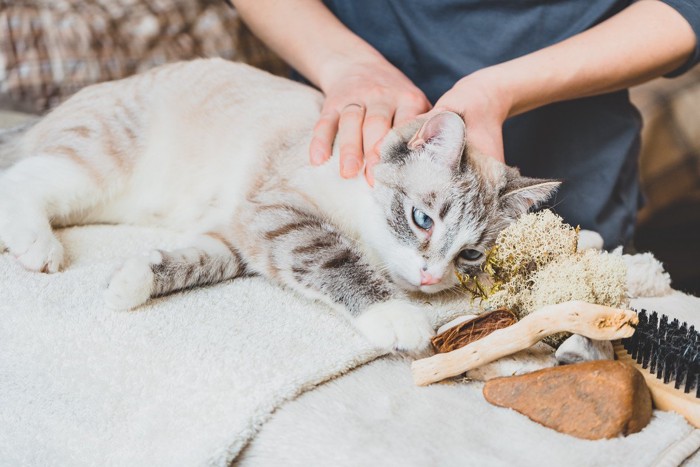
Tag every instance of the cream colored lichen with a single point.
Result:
(530, 243)
(535, 263)
(590, 276)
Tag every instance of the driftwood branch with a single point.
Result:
(593, 321)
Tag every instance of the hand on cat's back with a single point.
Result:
(363, 102)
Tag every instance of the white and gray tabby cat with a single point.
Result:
(219, 150)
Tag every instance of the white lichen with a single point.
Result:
(536, 263)
(591, 276)
(530, 243)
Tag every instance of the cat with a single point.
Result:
(219, 150)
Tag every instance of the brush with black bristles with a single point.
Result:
(668, 355)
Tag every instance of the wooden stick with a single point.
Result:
(593, 321)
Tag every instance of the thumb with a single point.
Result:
(487, 141)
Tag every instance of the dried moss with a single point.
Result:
(530, 243)
(591, 276)
(534, 263)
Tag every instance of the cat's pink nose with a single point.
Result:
(427, 279)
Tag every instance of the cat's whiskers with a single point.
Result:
(458, 290)
(383, 268)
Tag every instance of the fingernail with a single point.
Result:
(317, 157)
(350, 168)
(369, 175)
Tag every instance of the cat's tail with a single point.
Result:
(9, 142)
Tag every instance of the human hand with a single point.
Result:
(363, 101)
(484, 106)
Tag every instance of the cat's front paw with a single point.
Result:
(396, 325)
(28, 237)
(132, 284)
(38, 251)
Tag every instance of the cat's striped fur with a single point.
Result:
(219, 150)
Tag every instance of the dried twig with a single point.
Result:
(593, 321)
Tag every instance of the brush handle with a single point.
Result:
(665, 396)
(593, 321)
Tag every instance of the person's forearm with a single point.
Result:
(646, 40)
(364, 93)
(307, 35)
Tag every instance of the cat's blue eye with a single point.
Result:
(470, 254)
(421, 219)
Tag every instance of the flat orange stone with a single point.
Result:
(590, 400)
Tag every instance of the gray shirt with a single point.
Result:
(591, 144)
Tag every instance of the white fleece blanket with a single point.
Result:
(376, 416)
(187, 380)
(190, 378)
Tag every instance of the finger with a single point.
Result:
(371, 159)
(487, 141)
(435, 110)
(350, 139)
(323, 136)
(408, 112)
(376, 125)
(369, 172)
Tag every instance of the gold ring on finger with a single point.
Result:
(353, 104)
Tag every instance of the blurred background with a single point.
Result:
(49, 49)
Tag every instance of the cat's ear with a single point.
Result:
(521, 193)
(445, 135)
